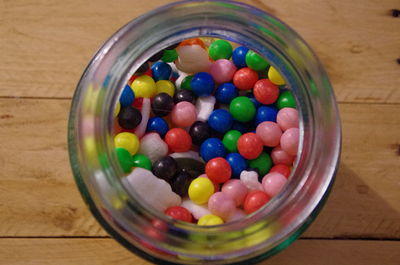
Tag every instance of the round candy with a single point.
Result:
(158, 125)
(265, 91)
(179, 213)
(290, 141)
(250, 145)
(275, 77)
(226, 92)
(286, 100)
(165, 168)
(199, 131)
(236, 190)
(250, 95)
(230, 140)
(254, 201)
(242, 109)
(273, 183)
(165, 86)
(237, 163)
(288, 118)
(245, 78)
(220, 120)
(202, 84)
(239, 56)
(184, 114)
(265, 113)
(127, 140)
(184, 95)
(127, 96)
(210, 220)
(181, 182)
(124, 159)
(269, 132)
(262, 163)
(282, 169)
(144, 87)
(142, 161)
(200, 190)
(220, 49)
(222, 70)
(279, 156)
(169, 55)
(162, 104)
(218, 170)
(255, 61)
(211, 148)
(161, 71)
(186, 82)
(129, 118)
(221, 205)
(216, 185)
(178, 140)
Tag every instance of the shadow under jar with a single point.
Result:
(151, 234)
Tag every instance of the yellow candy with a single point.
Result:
(144, 87)
(117, 109)
(200, 190)
(127, 140)
(210, 219)
(275, 77)
(165, 86)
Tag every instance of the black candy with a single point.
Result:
(143, 68)
(129, 118)
(165, 168)
(180, 184)
(183, 95)
(199, 131)
(162, 104)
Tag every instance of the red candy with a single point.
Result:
(265, 91)
(282, 169)
(245, 78)
(254, 201)
(179, 213)
(250, 145)
(178, 140)
(218, 170)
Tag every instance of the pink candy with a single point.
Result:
(279, 156)
(222, 70)
(288, 118)
(290, 141)
(222, 205)
(184, 114)
(269, 132)
(236, 190)
(273, 183)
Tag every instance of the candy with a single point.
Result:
(254, 201)
(262, 163)
(279, 156)
(221, 205)
(265, 113)
(290, 141)
(127, 96)
(199, 131)
(178, 140)
(216, 185)
(249, 145)
(220, 120)
(236, 190)
(218, 170)
(282, 169)
(270, 133)
(245, 78)
(230, 140)
(165, 168)
(192, 59)
(211, 148)
(237, 215)
(183, 114)
(204, 106)
(288, 118)
(161, 71)
(210, 220)
(162, 104)
(186, 82)
(141, 128)
(117, 109)
(255, 61)
(169, 55)
(275, 77)
(144, 87)
(237, 163)
(184, 95)
(153, 146)
(226, 92)
(129, 118)
(179, 213)
(192, 41)
(239, 56)
(124, 159)
(286, 100)
(158, 125)
(179, 81)
(250, 180)
(128, 141)
(181, 182)
(222, 70)
(140, 160)
(202, 84)
(190, 154)
(220, 49)
(273, 183)
(165, 86)
(200, 190)
(242, 109)
(265, 91)
(196, 210)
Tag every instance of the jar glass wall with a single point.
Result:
(144, 230)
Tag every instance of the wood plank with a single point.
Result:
(46, 44)
(38, 196)
(107, 251)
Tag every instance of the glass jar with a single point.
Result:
(149, 233)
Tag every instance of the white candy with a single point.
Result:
(141, 128)
(153, 146)
(250, 179)
(190, 154)
(179, 80)
(192, 59)
(204, 106)
(197, 210)
(152, 190)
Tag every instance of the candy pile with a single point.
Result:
(207, 131)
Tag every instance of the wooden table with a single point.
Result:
(46, 44)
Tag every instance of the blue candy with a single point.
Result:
(127, 97)
(161, 71)
(226, 92)
(211, 148)
(237, 162)
(265, 113)
(158, 125)
(239, 56)
(220, 120)
(202, 84)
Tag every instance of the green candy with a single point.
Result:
(186, 82)
(242, 109)
(124, 158)
(142, 161)
(262, 163)
(169, 56)
(220, 49)
(255, 61)
(286, 100)
(230, 140)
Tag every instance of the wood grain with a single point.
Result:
(46, 44)
(38, 196)
(107, 251)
